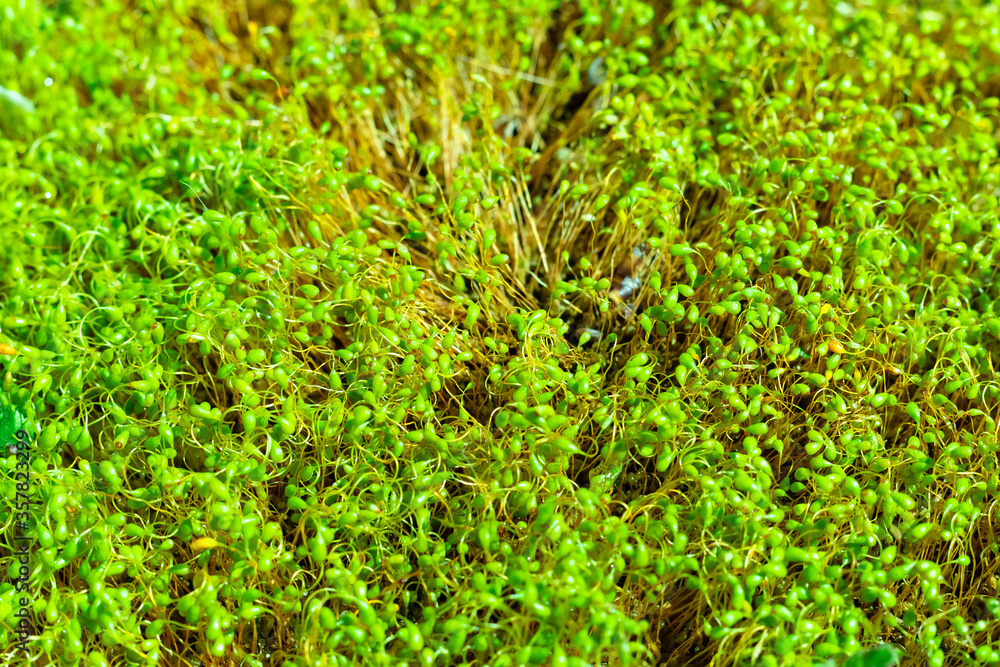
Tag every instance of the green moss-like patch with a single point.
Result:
(503, 333)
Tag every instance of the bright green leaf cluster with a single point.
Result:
(519, 333)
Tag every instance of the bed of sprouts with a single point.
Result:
(520, 333)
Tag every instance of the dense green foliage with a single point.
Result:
(504, 333)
